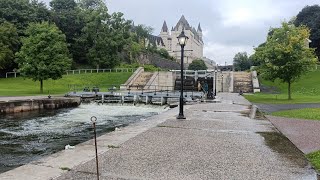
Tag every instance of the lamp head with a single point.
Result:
(182, 38)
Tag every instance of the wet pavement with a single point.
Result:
(216, 141)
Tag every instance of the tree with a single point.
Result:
(285, 55)
(22, 12)
(104, 35)
(67, 16)
(164, 53)
(44, 53)
(9, 44)
(241, 62)
(142, 32)
(310, 16)
(197, 64)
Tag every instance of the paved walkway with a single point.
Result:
(216, 141)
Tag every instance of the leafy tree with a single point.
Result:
(310, 16)
(67, 16)
(104, 35)
(9, 44)
(142, 32)
(44, 53)
(22, 12)
(164, 53)
(241, 61)
(197, 64)
(285, 55)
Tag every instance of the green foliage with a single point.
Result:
(94, 37)
(21, 87)
(133, 65)
(164, 53)
(44, 53)
(285, 55)
(141, 33)
(22, 12)
(104, 36)
(67, 16)
(241, 62)
(306, 113)
(310, 16)
(314, 158)
(150, 68)
(197, 64)
(9, 44)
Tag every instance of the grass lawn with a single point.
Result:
(21, 87)
(314, 158)
(306, 90)
(307, 113)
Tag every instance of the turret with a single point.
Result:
(199, 31)
(164, 29)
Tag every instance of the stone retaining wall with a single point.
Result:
(36, 104)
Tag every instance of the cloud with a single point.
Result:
(222, 53)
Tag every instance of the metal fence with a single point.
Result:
(80, 71)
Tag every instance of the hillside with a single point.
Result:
(20, 86)
(305, 90)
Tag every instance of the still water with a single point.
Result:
(25, 137)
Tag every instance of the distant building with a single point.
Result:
(168, 40)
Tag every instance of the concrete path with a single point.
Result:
(216, 141)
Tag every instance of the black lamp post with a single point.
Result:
(222, 83)
(215, 82)
(182, 39)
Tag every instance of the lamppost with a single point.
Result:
(215, 82)
(94, 120)
(222, 83)
(182, 39)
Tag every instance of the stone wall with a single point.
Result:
(37, 104)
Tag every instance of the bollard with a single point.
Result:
(94, 120)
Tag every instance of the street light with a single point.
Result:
(215, 82)
(94, 121)
(182, 39)
(222, 83)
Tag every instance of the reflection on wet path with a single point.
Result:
(29, 136)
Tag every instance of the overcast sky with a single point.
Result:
(229, 26)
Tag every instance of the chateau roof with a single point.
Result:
(184, 23)
(164, 27)
(155, 40)
(199, 28)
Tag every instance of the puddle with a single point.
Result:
(280, 144)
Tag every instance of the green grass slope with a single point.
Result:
(21, 87)
(305, 90)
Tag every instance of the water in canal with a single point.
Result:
(29, 136)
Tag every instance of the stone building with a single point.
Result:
(168, 40)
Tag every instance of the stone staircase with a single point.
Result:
(142, 80)
(242, 81)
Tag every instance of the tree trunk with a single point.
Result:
(41, 86)
(289, 90)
